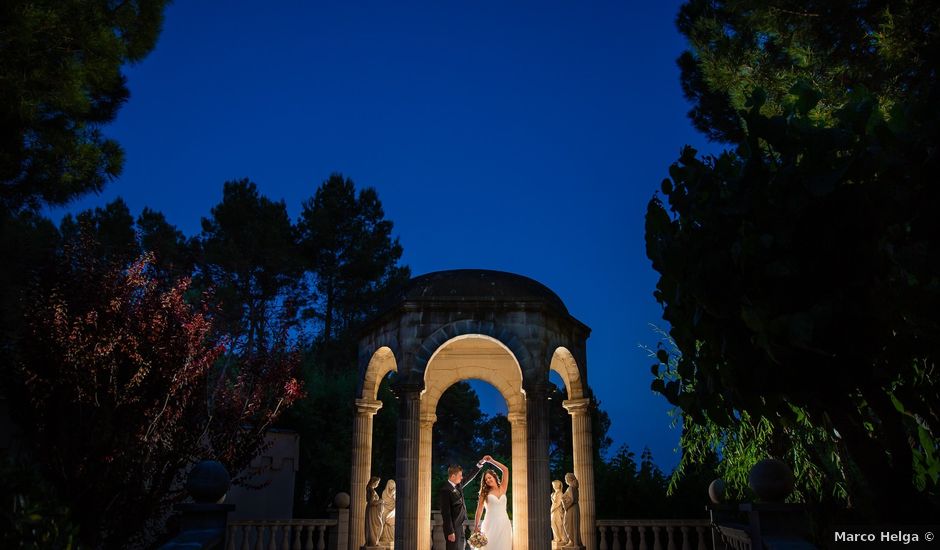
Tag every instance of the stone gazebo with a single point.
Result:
(505, 329)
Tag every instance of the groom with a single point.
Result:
(453, 509)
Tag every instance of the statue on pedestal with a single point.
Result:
(572, 513)
(558, 515)
(373, 513)
(388, 515)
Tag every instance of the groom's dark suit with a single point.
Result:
(453, 508)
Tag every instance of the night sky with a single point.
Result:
(523, 137)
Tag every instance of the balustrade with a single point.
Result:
(734, 538)
(654, 534)
(318, 534)
(289, 534)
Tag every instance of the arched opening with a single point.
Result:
(484, 358)
(381, 363)
(464, 432)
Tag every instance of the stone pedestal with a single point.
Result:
(203, 523)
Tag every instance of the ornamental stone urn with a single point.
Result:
(208, 482)
(341, 501)
(716, 491)
(771, 480)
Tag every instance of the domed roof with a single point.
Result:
(478, 285)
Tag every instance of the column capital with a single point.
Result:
(577, 406)
(539, 390)
(407, 390)
(516, 418)
(368, 406)
(428, 419)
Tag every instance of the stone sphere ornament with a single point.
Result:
(341, 501)
(716, 491)
(771, 480)
(208, 482)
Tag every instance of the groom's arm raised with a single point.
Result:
(467, 478)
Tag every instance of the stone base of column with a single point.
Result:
(571, 547)
(388, 547)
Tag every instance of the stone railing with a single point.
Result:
(437, 531)
(734, 538)
(654, 534)
(288, 534)
(628, 534)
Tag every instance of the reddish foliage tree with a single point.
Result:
(123, 390)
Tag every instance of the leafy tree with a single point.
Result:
(743, 443)
(174, 254)
(799, 272)
(829, 49)
(249, 258)
(324, 420)
(114, 383)
(112, 228)
(455, 434)
(60, 82)
(625, 489)
(561, 458)
(495, 433)
(32, 517)
(347, 243)
(27, 242)
(351, 260)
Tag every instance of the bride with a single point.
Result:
(496, 525)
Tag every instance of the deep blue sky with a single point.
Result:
(524, 137)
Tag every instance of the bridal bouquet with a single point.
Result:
(477, 540)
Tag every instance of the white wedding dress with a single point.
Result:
(496, 525)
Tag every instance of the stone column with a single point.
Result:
(424, 480)
(361, 466)
(406, 466)
(520, 502)
(540, 483)
(582, 439)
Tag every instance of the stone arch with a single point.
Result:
(481, 357)
(507, 381)
(380, 364)
(470, 327)
(579, 405)
(564, 363)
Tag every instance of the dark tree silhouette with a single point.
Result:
(111, 230)
(829, 48)
(249, 259)
(799, 272)
(114, 385)
(60, 82)
(347, 245)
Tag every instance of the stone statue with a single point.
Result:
(373, 513)
(558, 515)
(388, 515)
(572, 513)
